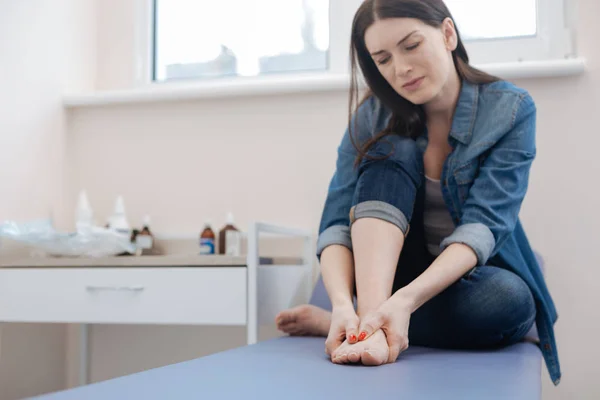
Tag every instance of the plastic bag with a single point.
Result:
(87, 241)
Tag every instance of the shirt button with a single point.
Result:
(547, 347)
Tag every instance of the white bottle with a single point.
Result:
(84, 216)
(118, 221)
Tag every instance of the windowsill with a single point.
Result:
(296, 83)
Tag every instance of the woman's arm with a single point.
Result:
(334, 245)
(448, 267)
(337, 270)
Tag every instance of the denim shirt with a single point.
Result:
(484, 181)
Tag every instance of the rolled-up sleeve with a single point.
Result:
(334, 227)
(336, 234)
(491, 210)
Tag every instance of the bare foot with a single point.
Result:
(372, 351)
(304, 320)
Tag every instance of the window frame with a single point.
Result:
(554, 41)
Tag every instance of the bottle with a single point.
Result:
(84, 216)
(118, 221)
(144, 240)
(228, 237)
(207, 240)
(133, 240)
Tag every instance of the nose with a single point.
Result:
(402, 68)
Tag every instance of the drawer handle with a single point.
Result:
(114, 288)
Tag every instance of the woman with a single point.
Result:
(421, 218)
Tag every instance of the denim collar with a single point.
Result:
(464, 115)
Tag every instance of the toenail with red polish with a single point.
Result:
(362, 336)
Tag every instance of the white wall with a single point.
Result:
(115, 43)
(561, 211)
(44, 49)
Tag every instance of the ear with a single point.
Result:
(450, 35)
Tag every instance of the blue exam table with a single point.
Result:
(298, 368)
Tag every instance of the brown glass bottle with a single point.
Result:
(223, 233)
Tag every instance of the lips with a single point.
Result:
(414, 84)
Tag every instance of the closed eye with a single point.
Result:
(383, 61)
(414, 46)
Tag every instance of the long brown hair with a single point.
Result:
(407, 118)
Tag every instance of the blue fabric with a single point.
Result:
(297, 368)
(393, 182)
(319, 296)
(484, 181)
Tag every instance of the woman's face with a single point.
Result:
(413, 57)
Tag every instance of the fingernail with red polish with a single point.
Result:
(362, 336)
(353, 338)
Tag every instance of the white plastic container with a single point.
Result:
(118, 221)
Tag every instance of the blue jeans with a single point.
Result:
(487, 307)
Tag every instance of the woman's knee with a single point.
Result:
(505, 295)
(400, 151)
(489, 307)
(388, 182)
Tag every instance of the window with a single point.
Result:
(204, 39)
(500, 31)
(475, 23)
(207, 39)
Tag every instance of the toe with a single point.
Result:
(372, 357)
(335, 355)
(343, 358)
(354, 357)
(336, 359)
(290, 328)
(340, 356)
(285, 317)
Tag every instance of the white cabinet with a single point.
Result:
(187, 296)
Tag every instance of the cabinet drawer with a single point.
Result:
(213, 296)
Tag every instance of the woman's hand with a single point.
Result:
(393, 318)
(344, 325)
